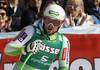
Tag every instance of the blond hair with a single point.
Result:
(81, 3)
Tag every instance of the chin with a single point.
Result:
(50, 33)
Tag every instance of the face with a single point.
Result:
(3, 17)
(3, 3)
(51, 25)
(35, 3)
(74, 7)
(94, 2)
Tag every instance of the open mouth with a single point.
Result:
(49, 29)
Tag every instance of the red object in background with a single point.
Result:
(81, 46)
(84, 46)
(5, 58)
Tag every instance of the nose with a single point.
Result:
(72, 7)
(51, 25)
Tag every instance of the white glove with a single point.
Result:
(33, 47)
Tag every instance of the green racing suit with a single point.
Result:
(53, 46)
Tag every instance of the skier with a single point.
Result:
(41, 43)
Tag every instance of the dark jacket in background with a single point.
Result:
(16, 16)
(29, 16)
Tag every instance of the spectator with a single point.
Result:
(4, 4)
(32, 14)
(93, 9)
(4, 27)
(75, 15)
(16, 9)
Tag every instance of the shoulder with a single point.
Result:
(21, 5)
(26, 13)
(38, 21)
(63, 37)
(29, 29)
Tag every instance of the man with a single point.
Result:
(43, 42)
(93, 9)
(4, 26)
(32, 14)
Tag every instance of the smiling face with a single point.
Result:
(74, 7)
(3, 18)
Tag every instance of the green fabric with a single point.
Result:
(44, 57)
(14, 49)
(63, 68)
(66, 46)
(42, 60)
(26, 67)
(23, 50)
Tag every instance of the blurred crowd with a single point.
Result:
(17, 14)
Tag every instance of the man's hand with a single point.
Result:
(33, 47)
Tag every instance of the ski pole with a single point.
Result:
(26, 60)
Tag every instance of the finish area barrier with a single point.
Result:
(84, 52)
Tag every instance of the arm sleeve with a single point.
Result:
(16, 46)
(63, 57)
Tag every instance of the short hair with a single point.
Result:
(81, 4)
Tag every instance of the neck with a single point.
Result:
(38, 9)
(97, 8)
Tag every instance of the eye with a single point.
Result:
(75, 5)
(69, 6)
